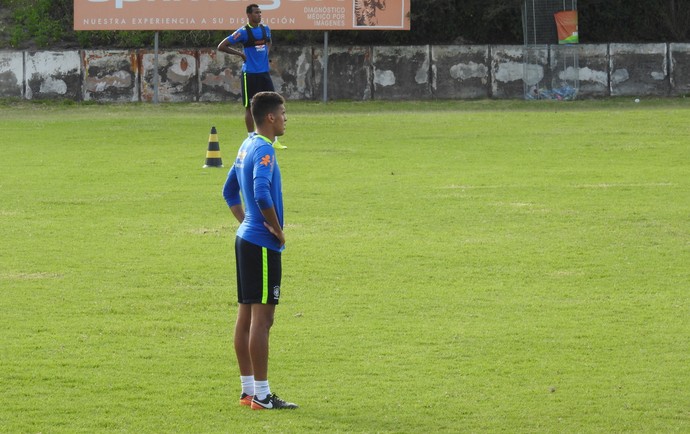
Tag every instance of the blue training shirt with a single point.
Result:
(256, 176)
(257, 56)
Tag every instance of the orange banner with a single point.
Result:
(230, 14)
(566, 24)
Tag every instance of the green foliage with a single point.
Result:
(45, 23)
(639, 20)
(33, 22)
(508, 267)
(142, 39)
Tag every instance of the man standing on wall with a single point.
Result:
(256, 40)
(255, 180)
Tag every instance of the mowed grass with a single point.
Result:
(475, 266)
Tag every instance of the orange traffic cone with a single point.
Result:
(213, 158)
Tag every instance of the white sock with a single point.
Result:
(249, 134)
(247, 384)
(261, 389)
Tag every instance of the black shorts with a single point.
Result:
(258, 273)
(253, 84)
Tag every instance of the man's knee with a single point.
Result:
(262, 316)
(264, 321)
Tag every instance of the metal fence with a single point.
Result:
(548, 73)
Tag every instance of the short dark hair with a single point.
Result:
(264, 103)
(251, 7)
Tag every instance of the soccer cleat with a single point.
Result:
(246, 399)
(272, 402)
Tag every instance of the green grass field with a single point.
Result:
(485, 266)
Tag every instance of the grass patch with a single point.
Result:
(450, 266)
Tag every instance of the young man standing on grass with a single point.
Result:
(258, 246)
(256, 40)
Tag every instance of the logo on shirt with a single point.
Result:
(239, 162)
(266, 160)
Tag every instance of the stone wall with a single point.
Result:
(354, 73)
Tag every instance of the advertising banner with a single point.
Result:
(566, 24)
(230, 14)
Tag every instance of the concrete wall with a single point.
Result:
(350, 73)
(402, 72)
(508, 70)
(110, 76)
(218, 77)
(679, 55)
(460, 71)
(354, 73)
(639, 69)
(593, 70)
(12, 74)
(51, 75)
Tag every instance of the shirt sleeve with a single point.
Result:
(231, 189)
(238, 36)
(264, 163)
